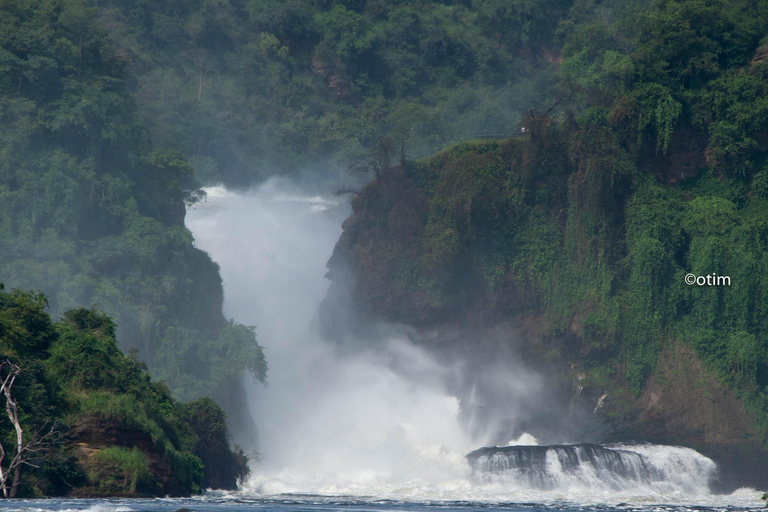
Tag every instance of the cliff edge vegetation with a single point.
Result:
(92, 421)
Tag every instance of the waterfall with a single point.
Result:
(386, 420)
(600, 467)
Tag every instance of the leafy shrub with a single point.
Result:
(109, 465)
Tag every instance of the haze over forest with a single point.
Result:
(536, 177)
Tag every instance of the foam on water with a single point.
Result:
(644, 467)
(63, 505)
(405, 500)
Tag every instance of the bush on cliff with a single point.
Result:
(121, 433)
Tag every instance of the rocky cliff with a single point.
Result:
(561, 251)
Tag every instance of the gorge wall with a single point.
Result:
(562, 253)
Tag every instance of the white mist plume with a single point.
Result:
(525, 439)
(325, 419)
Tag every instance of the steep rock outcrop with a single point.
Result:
(481, 238)
(91, 435)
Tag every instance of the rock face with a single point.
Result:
(90, 435)
(154, 468)
(684, 403)
(395, 252)
(683, 160)
(388, 224)
(385, 250)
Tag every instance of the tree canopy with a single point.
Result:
(74, 378)
(92, 211)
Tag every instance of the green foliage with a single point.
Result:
(102, 383)
(111, 464)
(689, 68)
(79, 378)
(247, 87)
(608, 258)
(710, 216)
(760, 184)
(583, 224)
(685, 43)
(652, 109)
(565, 222)
(225, 467)
(196, 364)
(91, 212)
(595, 59)
(734, 110)
(25, 327)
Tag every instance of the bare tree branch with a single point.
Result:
(37, 444)
(377, 159)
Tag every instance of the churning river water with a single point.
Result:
(378, 430)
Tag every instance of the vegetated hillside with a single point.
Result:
(651, 165)
(109, 109)
(92, 212)
(93, 421)
(252, 88)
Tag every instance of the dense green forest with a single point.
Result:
(93, 421)
(114, 112)
(92, 211)
(648, 163)
(643, 159)
(249, 89)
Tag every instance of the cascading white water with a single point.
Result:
(612, 467)
(381, 422)
(327, 423)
